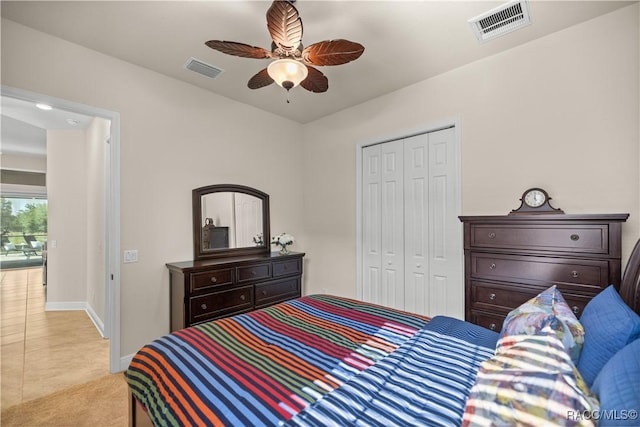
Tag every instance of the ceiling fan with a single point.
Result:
(293, 63)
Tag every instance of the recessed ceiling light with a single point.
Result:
(73, 122)
(44, 107)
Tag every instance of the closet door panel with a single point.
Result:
(416, 223)
(445, 268)
(371, 224)
(392, 203)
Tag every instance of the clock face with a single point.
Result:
(535, 198)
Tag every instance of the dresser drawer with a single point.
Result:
(218, 304)
(211, 278)
(489, 321)
(286, 268)
(251, 273)
(589, 275)
(493, 297)
(592, 239)
(281, 290)
(502, 298)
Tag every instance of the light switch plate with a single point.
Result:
(130, 255)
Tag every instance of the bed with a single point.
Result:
(324, 360)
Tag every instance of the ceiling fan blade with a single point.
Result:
(261, 79)
(239, 49)
(332, 52)
(285, 25)
(315, 81)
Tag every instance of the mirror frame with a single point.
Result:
(198, 252)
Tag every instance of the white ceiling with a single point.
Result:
(405, 41)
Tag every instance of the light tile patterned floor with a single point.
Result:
(43, 352)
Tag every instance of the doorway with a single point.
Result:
(110, 258)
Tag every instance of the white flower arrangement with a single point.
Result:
(283, 240)
(258, 240)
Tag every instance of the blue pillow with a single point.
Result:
(609, 325)
(618, 388)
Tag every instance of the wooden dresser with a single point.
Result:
(209, 289)
(510, 259)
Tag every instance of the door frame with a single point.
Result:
(399, 134)
(112, 214)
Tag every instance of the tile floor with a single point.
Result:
(43, 352)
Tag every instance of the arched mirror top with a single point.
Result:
(230, 220)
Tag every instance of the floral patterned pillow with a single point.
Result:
(547, 309)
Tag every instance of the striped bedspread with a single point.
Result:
(425, 382)
(263, 367)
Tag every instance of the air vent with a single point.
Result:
(501, 20)
(203, 68)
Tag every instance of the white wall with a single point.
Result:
(560, 112)
(174, 137)
(67, 218)
(97, 135)
(23, 162)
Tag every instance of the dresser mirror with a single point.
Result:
(230, 220)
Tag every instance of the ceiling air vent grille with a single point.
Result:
(501, 20)
(203, 68)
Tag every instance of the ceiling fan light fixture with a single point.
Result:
(287, 73)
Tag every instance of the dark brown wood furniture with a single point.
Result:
(511, 258)
(209, 289)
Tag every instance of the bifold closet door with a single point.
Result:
(383, 224)
(411, 239)
(433, 274)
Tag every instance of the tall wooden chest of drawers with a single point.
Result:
(205, 290)
(512, 258)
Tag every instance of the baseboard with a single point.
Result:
(125, 362)
(97, 321)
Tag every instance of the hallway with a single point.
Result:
(43, 352)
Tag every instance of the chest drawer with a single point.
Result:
(211, 278)
(286, 268)
(590, 275)
(502, 298)
(251, 273)
(217, 304)
(269, 293)
(492, 322)
(593, 239)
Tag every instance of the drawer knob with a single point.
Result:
(213, 279)
(575, 237)
(253, 273)
(575, 309)
(243, 297)
(492, 297)
(574, 273)
(203, 306)
(264, 293)
(492, 266)
(492, 326)
(492, 235)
